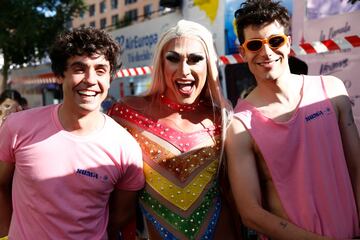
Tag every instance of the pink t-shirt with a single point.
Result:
(307, 164)
(62, 181)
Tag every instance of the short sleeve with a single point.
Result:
(131, 160)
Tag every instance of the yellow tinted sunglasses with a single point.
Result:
(274, 42)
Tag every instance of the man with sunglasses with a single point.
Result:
(293, 148)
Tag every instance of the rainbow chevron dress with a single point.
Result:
(181, 197)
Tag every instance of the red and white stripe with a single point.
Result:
(231, 59)
(129, 72)
(317, 47)
(324, 46)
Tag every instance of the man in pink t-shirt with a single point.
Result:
(69, 171)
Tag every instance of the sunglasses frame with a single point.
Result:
(265, 41)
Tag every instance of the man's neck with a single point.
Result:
(276, 101)
(80, 123)
(281, 90)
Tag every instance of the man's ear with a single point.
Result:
(288, 44)
(242, 52)
(289, 40)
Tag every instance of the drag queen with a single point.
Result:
(180, 125)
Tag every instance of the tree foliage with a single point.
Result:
(28, 27)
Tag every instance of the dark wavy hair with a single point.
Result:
(83, 41)
(259, 12)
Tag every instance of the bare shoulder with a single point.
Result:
(334, 86)
(338, 95)
(236, 126)
(238, 138)
(134, 102)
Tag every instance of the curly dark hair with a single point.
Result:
(83, 41)
(259, 12)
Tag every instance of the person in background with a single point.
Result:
(293, 148)
(180, 125)
(10, 101)
(59, 164)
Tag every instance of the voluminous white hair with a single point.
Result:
(212, 93)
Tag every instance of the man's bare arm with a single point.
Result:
(122, 208)
(245, 185)
(349, 133)
(6, 175)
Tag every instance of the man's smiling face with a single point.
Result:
(85, 83)
(266, 63)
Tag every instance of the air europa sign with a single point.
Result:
(137, 48)
(138, 40)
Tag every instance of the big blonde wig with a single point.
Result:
(212, 92)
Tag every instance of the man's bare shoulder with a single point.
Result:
(334, 86)
(236, 126)
(238, 135)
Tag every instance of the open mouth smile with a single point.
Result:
(87, 93)
(185, 87)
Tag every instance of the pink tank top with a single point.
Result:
(306, 161)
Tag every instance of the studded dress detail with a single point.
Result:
(181, 197)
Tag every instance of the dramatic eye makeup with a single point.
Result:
(192, 58)
(172, 57)
(195, 58)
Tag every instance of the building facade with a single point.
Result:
(112, 14)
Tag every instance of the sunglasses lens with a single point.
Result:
(254, 45)
(276, 41)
